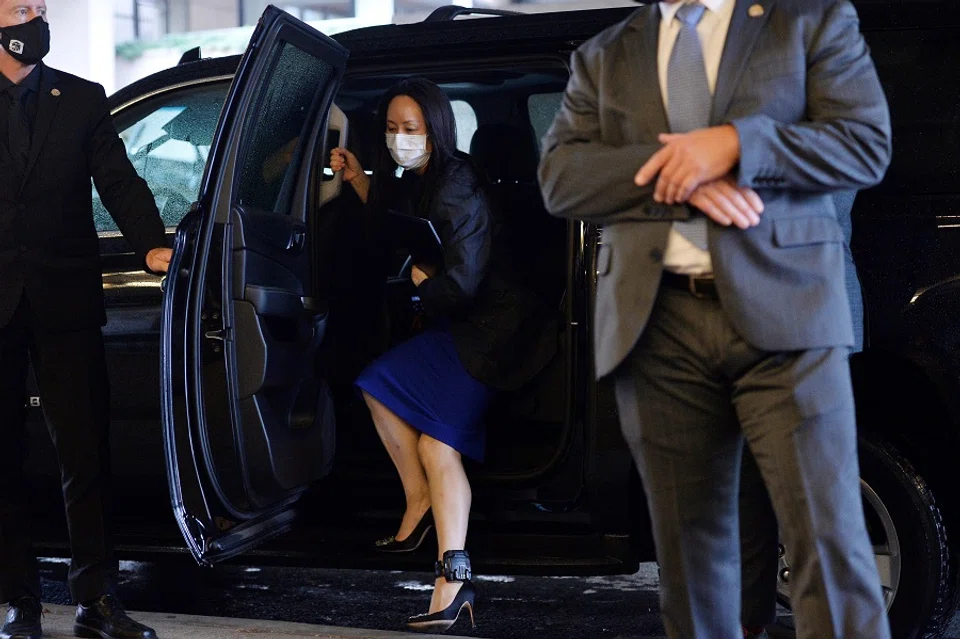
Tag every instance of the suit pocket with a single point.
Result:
(802, 231)
(603, 259)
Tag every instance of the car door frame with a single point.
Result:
(213, 528)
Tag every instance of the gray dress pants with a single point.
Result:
(688, 395)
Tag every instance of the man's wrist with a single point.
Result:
(733, 140)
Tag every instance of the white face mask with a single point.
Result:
(409, 151)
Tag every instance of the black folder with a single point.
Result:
(415, 235)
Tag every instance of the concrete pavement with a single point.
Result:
(58, 624)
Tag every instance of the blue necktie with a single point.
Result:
(689, 98)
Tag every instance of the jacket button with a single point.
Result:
(656, 255)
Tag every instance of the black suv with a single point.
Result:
(231, 387)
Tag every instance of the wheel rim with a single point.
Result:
(886, 549)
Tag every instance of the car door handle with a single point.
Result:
(269, 300)
(298, 238)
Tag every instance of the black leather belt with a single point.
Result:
(701, 286)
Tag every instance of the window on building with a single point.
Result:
(306, 10)
(141, 19)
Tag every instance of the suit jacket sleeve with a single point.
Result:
(584, 177)
(465, 229)
(845, 143)
(125, 194)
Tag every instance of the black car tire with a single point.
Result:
(905, 523)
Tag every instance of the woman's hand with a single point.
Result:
(421, 273)
(343, 160)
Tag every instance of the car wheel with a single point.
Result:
(909, 541)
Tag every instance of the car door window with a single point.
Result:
(167, 138)
(275, 127)
(923, 89)
(543, 108)
(466, 119)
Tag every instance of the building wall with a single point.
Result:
(84, 31)
(212, 14)
(82, 39)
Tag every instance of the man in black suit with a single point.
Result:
(56, 133)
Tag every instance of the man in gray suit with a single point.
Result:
(721, 311)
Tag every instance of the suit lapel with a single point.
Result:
(745, 27)
(47, 104)
(642, 65)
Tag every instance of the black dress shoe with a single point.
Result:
(105, 618)
(23, 620)
(412, 541)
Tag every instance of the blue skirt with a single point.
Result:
(423, 382)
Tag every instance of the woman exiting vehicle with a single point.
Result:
(428, 396)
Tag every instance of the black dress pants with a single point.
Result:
(71, 374)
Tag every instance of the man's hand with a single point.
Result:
(688, 160)
(726, 203)
(158, 260)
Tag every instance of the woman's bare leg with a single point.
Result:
(450, 496)
(400, 439)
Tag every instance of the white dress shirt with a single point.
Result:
(681, 256)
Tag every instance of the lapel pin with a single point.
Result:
(755, 11)
(55, 93)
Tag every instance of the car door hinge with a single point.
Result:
(220, 335)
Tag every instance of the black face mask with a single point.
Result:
(27, 43)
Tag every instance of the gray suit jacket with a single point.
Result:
(800, 87)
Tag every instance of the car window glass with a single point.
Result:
(167, 139)
(543, 108)
(920, 79)
(466, 119)
(277, 128)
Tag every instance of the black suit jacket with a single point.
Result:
(48, 241)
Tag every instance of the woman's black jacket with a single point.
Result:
(497, 326)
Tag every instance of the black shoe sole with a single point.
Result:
(88, 633)
(79, 630)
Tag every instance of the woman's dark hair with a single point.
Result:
(441, 127)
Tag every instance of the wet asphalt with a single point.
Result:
(617, 607)
(623, 607)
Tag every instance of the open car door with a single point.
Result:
(248, 423)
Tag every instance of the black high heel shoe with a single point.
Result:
(412, 541)
(454, 567)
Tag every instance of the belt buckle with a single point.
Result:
(692, 285)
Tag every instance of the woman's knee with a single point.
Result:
(434, 453)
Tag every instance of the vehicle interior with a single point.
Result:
(360, 280)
